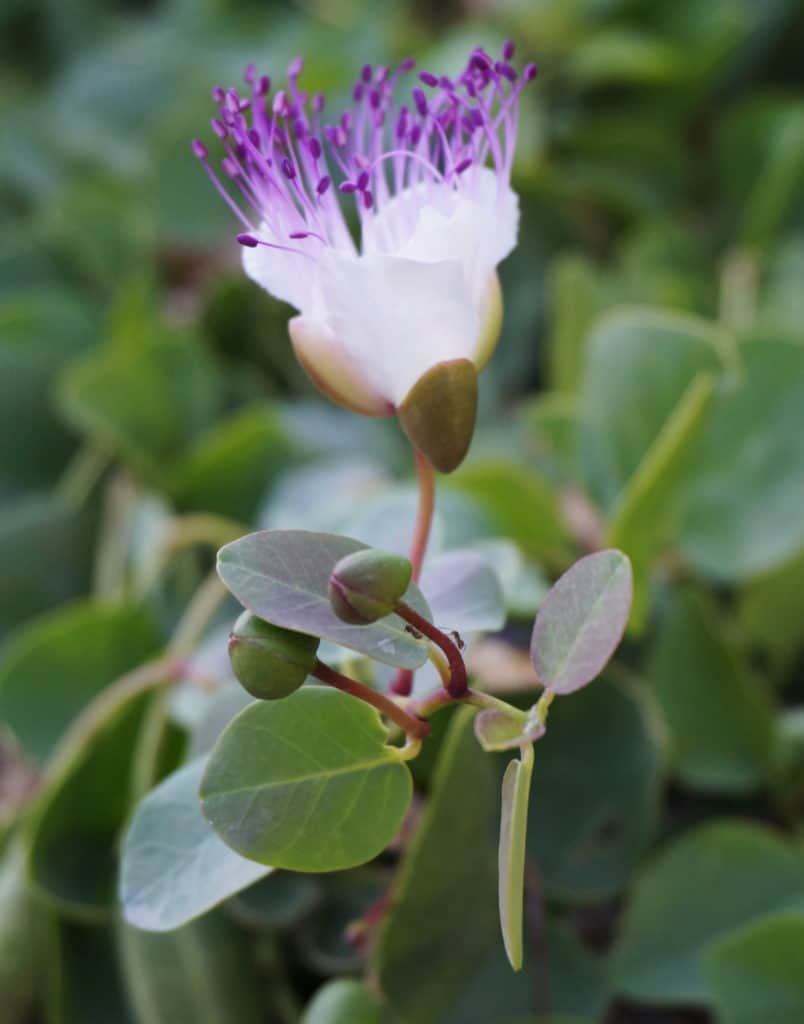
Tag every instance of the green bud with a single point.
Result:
(268, 661)
(367, 585)
(438, 413)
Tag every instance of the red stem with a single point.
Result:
(458, 684)
(413, 726)
(403, 681)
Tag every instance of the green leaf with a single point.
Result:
(519, 503)
(581, 621)
(711, 881)
(646, 516)
(513, 835)
(639, 364)
(444, 892)
(757, 973)
(719, 717)
(507, 728)
(282, 576)
(464, 592)
(61, 661)
(174, 867)
(596, 804)
(742, 503)
(229, 470)
(148, 401)
(306, 783)
(201, 973)
(85, 982)
(277, 902)
(769, 616)
(343, 1001)
(45, 548)
(22, 922)
(78, 815)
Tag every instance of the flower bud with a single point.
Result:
(268, 661)
(367, 585)
(438, 413)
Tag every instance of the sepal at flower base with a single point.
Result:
(439, 412)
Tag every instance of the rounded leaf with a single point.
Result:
(582, 621)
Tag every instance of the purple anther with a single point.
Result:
(249, 241)
(280, 103)
(346, 120)
(288, 169)
(375, 99)
(314, 147)
(199, 149)
(446, 83)
(323, 185)
(358, 91)
(477, 117)
(505, 70)
(318, 102)
(480, 61)
(296, 67)
(229, 167)
(362, 181)
(295, 235)
(263, 87)
(508, 49)
(421, 102)
(254, 138)
(368, 199)
(530, 72)
(428, 78)
(218, 94)
(347, 187)
(415, 135)
(407, 64)
(233, 100)
(464, 165)
(219, 128)
(250, 74)
(366, 73)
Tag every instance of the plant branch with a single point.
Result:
(458, 684)
(424, 517)
(413, 726)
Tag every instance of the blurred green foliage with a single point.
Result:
(648, 392)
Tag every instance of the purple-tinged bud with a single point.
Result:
(263, 86)
(295, 68)
(508, 49)
(530, 72)
(505, 70)
(219, 128)
(421, 102)
(249, 241)
(250, 74)
(288, 169)
(314, 147)
(323, 185)
(269, 662)
(199, 149)
(366, 73)
(367, 585)
(428, 78)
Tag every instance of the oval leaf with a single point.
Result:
(174, 866)
(282, 576)
(581, 621)
(513, 833)
(306, 783)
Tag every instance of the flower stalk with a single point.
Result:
(410, 724)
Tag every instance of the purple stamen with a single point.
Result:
(323, 185)
(421, 102)
(250, 74)
(249, 241)
(505, 70)
(368, 199)
(508, 49)
(263, 87)
(530, 72)
(428, 78)
(219, 128)
(366, 73)
(464, 165)
(199, 149)
(288, 169)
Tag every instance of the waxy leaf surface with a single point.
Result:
(282, 576)
(581, 621)
(306, 783)
(513, 833)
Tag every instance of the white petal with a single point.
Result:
(396, 318)
(292, 277)
(475, 225)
